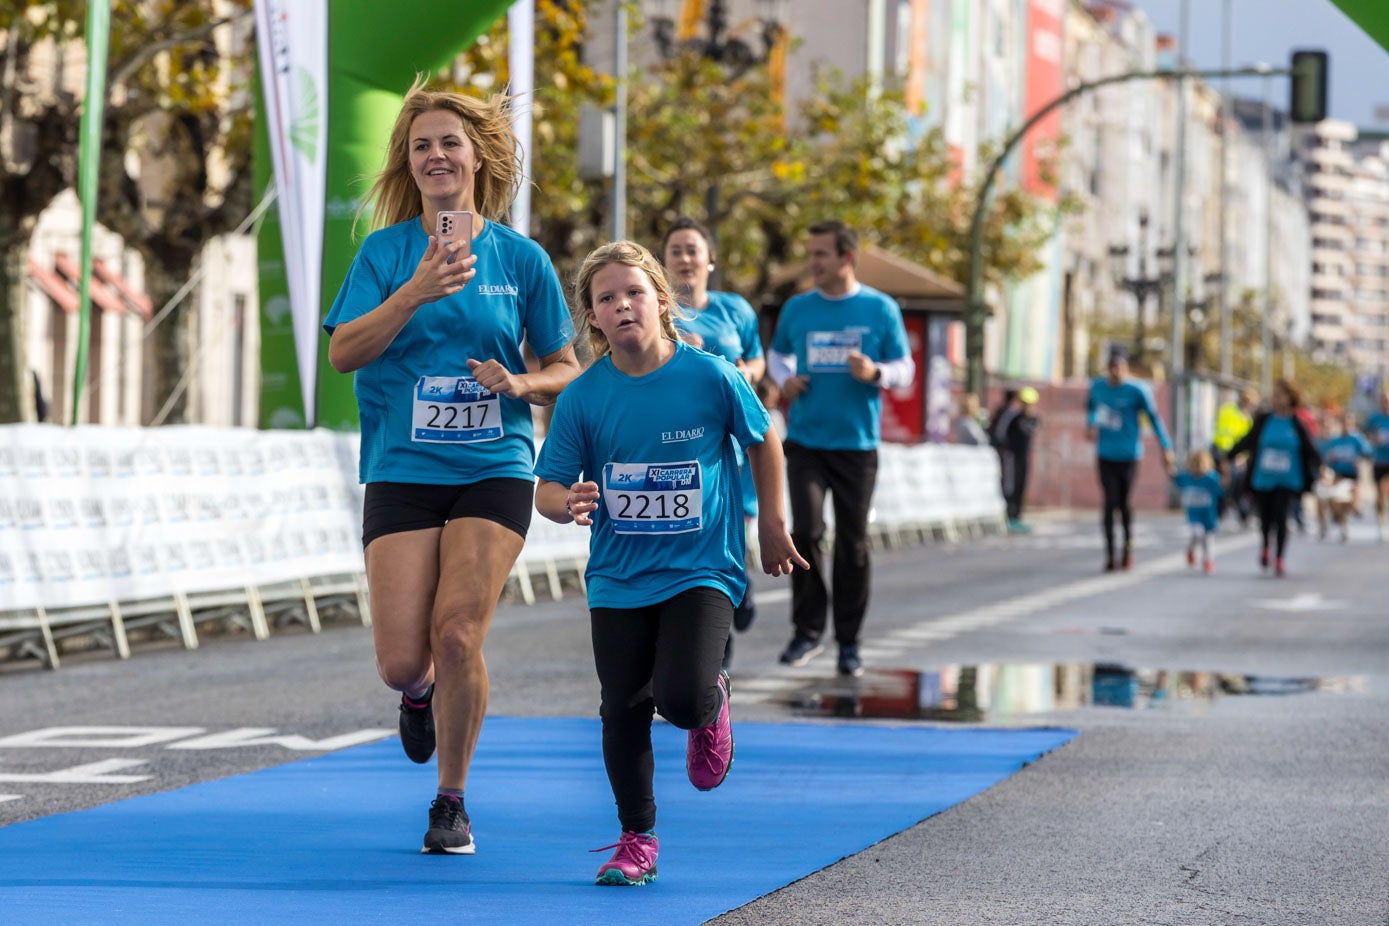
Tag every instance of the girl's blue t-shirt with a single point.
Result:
(1278, 458)
(838, 412)
(1200, 497)
(1114, 412)
(1342, 453)
(669, 512)
(728, 326)
(1377, 430)
(424, 419)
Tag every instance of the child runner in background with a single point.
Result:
(1377, 430)
(1338, 493)
(639, 452)
(1199, 484)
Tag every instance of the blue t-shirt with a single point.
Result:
(669, 512)
(1278, 458)
(1377, 430)
(424, 418)
(728, 325)
(1113, 412)
(838, 412)
(1342, 453)
(1200, 497)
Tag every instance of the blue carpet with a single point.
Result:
(335, 839)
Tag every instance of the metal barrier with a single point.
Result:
(109, 533)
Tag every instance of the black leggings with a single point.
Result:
(662, 657)
(848, 477)
(1116, 481)
(1274, 506)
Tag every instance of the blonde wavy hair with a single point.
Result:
(394, 196)
(629, 254)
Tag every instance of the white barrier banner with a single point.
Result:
(90, 515)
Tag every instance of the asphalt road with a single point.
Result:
(1236, 774)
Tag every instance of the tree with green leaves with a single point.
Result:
(719, 145)
(175, 160)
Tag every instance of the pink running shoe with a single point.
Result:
(709, 750)
(634, 862)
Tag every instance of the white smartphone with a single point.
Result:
(456, 226)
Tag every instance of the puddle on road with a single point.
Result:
(971, 693)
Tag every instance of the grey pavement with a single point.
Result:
(1245, 782)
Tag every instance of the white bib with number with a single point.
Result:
(454, 410)
(1107, 419)
(1196, 497)
(653, 498)
(1273, 460)
(828, 351)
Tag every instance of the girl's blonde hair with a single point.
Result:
(394, 196)
(629, 254)
(1199, 460)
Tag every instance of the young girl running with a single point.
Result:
(639, 452)
(1199, 484)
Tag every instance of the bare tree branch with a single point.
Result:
(122, 71)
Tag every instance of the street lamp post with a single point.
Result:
(734, 53)
(1140, 286)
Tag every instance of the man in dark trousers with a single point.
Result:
(1011, 433)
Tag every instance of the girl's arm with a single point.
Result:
(562, 504)
(768, 464)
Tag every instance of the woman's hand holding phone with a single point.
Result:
(435, 278)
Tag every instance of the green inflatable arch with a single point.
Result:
(372, 60)
(1370, 15)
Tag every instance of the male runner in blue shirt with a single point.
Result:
(834, 350)
(1114, 407)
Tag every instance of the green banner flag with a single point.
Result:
(89, 165)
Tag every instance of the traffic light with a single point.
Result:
(1307, 102)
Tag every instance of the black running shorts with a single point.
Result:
(393, 507)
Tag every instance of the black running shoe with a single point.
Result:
(745, 613)
(801, 650)
(850, 662)
(417, 729)
(450, 832)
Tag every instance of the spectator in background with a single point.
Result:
(40, 403)
(1011, 432)
(969, 429)
(1232, 421)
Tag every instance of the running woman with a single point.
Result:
(1284, 465)
(639, 451)
(1338, 493)
(434, 335)
(1200, 486)
(725, 325)
(1114, 407)
(1377, 430)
